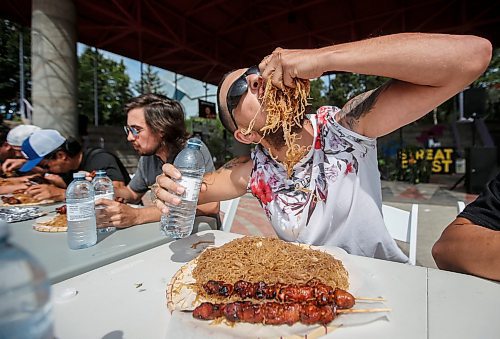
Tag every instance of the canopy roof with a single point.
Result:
(205, 39)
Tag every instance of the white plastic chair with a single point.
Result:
(460, 206)
(228, 208)
(402, 226)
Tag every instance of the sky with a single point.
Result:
(193, 88)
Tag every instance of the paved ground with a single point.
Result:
(437, 208)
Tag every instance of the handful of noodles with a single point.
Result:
(270, 260)
(286, 108)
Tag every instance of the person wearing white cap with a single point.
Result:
(18, 134)
(15, 139)
(64, 156)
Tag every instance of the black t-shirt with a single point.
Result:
(98, 158)
(485, 210)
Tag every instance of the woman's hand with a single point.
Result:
(166, 190)
(283, 65)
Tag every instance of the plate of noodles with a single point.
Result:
(274, 262)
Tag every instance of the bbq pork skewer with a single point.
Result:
(312, 291)
(269, 313)
(273, 313)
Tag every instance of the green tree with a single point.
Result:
(112, 87)
(342, 87)
(9, 65)
(317, 97)
(151, 82)
(490, 80)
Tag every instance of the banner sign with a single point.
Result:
(442, 159)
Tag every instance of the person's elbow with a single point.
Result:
(481, 51)
(443, 250)
(440, 254)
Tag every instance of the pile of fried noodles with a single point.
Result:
(269, 260)
(286, 109)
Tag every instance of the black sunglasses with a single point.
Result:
(237, 89)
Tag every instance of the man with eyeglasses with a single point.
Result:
(333, 195)
(156, 129)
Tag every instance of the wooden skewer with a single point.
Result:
(211, 242)
(370, 299)
(370, 310)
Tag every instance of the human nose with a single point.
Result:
(130, 135)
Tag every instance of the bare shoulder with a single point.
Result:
(351, 115)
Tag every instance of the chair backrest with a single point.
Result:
(460, 206)
(402, 226)
(228, 207)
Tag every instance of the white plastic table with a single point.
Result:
(126, 299)
(61, 263)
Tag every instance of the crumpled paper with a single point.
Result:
(183, 325)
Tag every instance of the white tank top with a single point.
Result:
(333, 196)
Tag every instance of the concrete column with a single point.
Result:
(53, 63)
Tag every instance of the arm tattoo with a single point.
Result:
(235, 162)
(209, 178)
(359, 106)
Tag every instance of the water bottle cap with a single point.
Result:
(4, 229)
(100, 172)
(79, 175)
(194, 142)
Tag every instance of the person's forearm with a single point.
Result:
(228, 182)
(424, 59)
(211, 208)
(126, 193)
(468, 248)
(147, 214)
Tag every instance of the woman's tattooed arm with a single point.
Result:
(358, 106)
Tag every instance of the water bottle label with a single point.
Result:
(80, 211)
(110, 196)
(191, 186)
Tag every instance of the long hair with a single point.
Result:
(163, 116)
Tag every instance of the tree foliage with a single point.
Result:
(150, 83)
(112, 87)
(490, 80)
(342, 87)
(9, 65)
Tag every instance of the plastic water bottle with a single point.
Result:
(180, 219)
(82, 230)
(25, 308)
(103, 189)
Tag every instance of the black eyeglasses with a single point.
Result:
(129, 129)
(237, 89)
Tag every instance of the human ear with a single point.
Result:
(245, 138)
(61, 155)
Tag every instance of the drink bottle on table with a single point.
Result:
(25, 307)
(180, 219)
(103, 189)
(82, 230)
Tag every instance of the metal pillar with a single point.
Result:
(53, 62)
